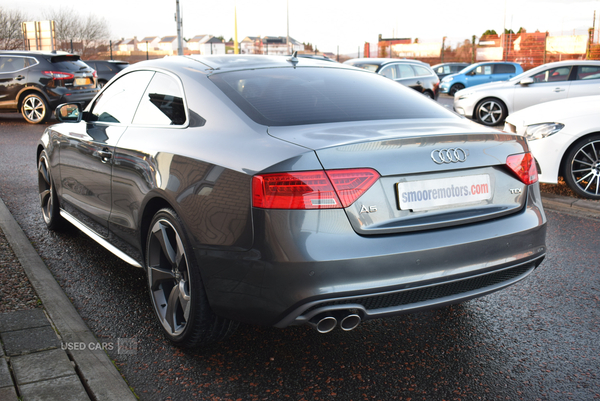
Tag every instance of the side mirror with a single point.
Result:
(526, 81)
(68, 113)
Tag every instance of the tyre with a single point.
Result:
(101, 83)
(490, 112)
(47, 192)
(428, 94)
(455, 88)
(582, 167)
(176, 289)
(35, 109)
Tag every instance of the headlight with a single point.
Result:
(539, 131)
(447, 79)
(465, 95)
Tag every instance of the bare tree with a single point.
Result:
(11, 36)
(82, 34)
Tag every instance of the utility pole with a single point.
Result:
(473, 52)
(443, 47)
(236, 47)
(179, 29)
(287, 40)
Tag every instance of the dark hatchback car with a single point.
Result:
(412, 73)
(283, 191)
(106, 69)
(34, 83)
(445, 69)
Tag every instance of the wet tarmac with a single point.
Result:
(536, 340)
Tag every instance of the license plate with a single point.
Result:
(82, 81)
(431, 194)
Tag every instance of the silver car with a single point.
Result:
(489, 104)
(283, 191)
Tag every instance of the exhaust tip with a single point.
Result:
(326, 324)
(350, 322)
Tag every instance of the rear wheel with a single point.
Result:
(35, 109)
(428, 94)
(582, 168)
(490, 112)
(176, 289)
(47, 193)
(455, 88)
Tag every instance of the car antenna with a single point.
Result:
(293, 59)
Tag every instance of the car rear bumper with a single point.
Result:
(322, 266)
(82, 97)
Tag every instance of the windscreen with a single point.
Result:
(296, 96)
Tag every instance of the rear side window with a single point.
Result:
(421, 71)
(588, 72)
(162, 103)
(389, 71)
(118, 102)
(504, 69)
(12, 63)
(288, 96)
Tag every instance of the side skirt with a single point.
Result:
(99, 239)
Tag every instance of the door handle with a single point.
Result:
(418, 82)
(559, 90)
(105, 155)
(19, 77)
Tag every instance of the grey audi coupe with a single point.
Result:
(283, 191)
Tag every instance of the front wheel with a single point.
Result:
(490, 112)
(582, 167)
(455, 88)
(35, 109)
(176, 289)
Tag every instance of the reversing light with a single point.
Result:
(58, 74)
(332, 189)
(523, 165)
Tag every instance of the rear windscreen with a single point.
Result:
(296, 96)
(69, 63)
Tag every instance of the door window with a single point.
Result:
(504, 69)
(12, 64)
(389, 72)
(483, 70)
(118, 102)
(162, 103)
(553, 75)
(405, 71)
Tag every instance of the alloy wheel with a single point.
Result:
(169, 277)
(34, 109)
(490, 112)
(585, 169)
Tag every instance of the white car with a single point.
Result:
(489, 104)
(564, 137)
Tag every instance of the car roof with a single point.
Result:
(36, 53)
(382, 61)
(226, 63)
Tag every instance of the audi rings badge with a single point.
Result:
(452, 155)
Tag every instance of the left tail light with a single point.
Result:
(329, 189)
(523, 165)
(58, 74)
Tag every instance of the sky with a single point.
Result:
(331, 24)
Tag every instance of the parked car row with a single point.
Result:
(34, 83)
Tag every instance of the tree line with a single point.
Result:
(73, 31)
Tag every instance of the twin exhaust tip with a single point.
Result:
(328, 323)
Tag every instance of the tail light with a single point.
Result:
(58, 74)
(523, 165)
(331, 189)
(95, 74)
